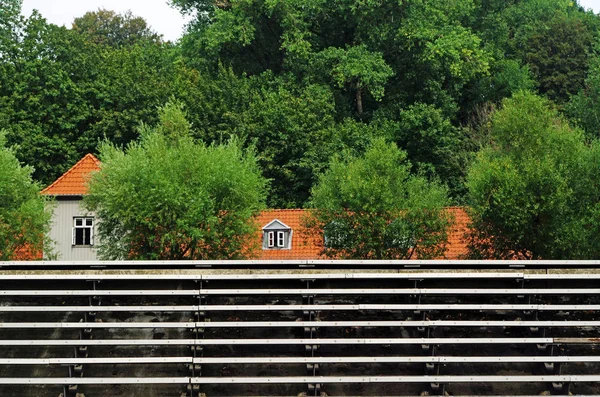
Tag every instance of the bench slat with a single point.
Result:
(306, 379)
(296, 360)
(348, 307)
(265, 276)
(298, 291)
(396, 359)
(294, 324)
(87, 360)
(301, 341)
(303, 276)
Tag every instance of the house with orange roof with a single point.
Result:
(279, 235)
(73, 228)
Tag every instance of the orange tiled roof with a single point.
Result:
(457, 243)
(303, 249)
(27, 253)
(74, 181)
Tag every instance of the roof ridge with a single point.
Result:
(89, 156)
(286, 209)
(457, 207)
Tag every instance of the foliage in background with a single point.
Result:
(106, 27)
(285, 123)
(168, 197)
(411, 50)
(24, 213)
(558, 57)
(584, 108)
(299, 80)
(371, 207)
(534, 190)
(65, 92)
(357, 69)
(434, 146)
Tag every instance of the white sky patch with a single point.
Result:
(158, 14)
(592, 4)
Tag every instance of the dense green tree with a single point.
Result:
(348, 136)
(508, 25)
(357, 45)
(535, 44)
(11, 23)
(369, 56)
(24, 214)
(371, 207)
(285, 125)
(65, 93)
(109, 28)
(44, 110)
(506, 77)
(358, 69)
(301, 80)
(168, 197)
(129, 85)
(533, 191)
(558, 57)
(433, 145)
(584, 108)
(215, 102)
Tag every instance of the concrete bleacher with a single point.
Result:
(231, 332)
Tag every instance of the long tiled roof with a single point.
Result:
(302, 248)
(74, 181)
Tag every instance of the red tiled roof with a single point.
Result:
(457, 243)
(74, 181)
(302, 248)
(27, 253)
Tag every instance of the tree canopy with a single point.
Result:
(169, 197)
(109, 28)
(24, 214)
(533, 190)
(371, 207)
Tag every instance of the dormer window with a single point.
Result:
(277, 235)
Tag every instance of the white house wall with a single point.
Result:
(61, 232)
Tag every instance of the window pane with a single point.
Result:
(271, 239)
(89, 221)
(79, 236)
(281, 239)
(83, 236)
(78, 221)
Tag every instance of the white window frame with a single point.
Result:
(280, 239)
(84, 225)
(271, 239)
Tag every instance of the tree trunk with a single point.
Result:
(359, 106)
